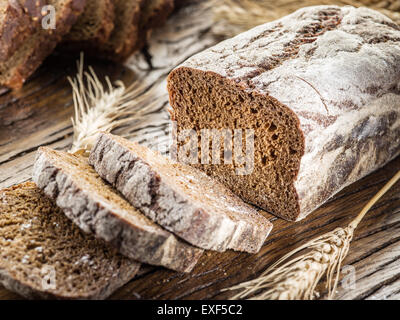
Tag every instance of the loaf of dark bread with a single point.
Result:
(28, 55)
(180, 198)
(96, 208)
(320, 89)
(44, 255)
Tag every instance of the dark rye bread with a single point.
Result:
(125, 35)
(156, 13)
(94, 27)
(28, 56)
(18, 20)
(44, 255)
(180, 198)
(320, 89)
(153, 14)
(95, 207)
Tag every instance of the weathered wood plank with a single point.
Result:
(40, 113)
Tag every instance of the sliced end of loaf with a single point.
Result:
(205, 100)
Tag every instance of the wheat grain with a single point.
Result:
(106, 107)
(296, 275)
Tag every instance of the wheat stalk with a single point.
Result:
(295, 276)
(103, 108)
(241, 15)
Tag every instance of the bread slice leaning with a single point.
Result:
(154, 14)
(180, 198)
(29, 54)
(95, 207)
(44, 255)
(93, 28)
(126, 33)
(18, 21)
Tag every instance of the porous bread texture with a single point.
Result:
(95, 207)
(180, 198)
(319, 87)
(94, 27)
(29, 55)
(37, 239)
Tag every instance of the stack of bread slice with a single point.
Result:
(122, 206)
(109, 29)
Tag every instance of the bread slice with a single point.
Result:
(18, 20)
(94, 27)
(126, 33)
(44, 255)
(95, 207)
(154, 14)
(30, 54)
(180, 198)
(181, 3)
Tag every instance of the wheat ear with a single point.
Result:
(106, 107)
(295, 276)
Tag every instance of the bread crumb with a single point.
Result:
(25, 259)
(26, 225)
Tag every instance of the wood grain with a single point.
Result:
(40, 113)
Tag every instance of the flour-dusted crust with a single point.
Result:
(337, 71)
(183, 200)
(132, 234)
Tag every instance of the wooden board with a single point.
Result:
(40, 113)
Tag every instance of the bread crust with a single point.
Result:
(338, 78)
(143, 242)
(91, 46)
(159, 14)
(226, 224)
(122, 50)
(154, 14)
(45, 45)
(21, 19)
